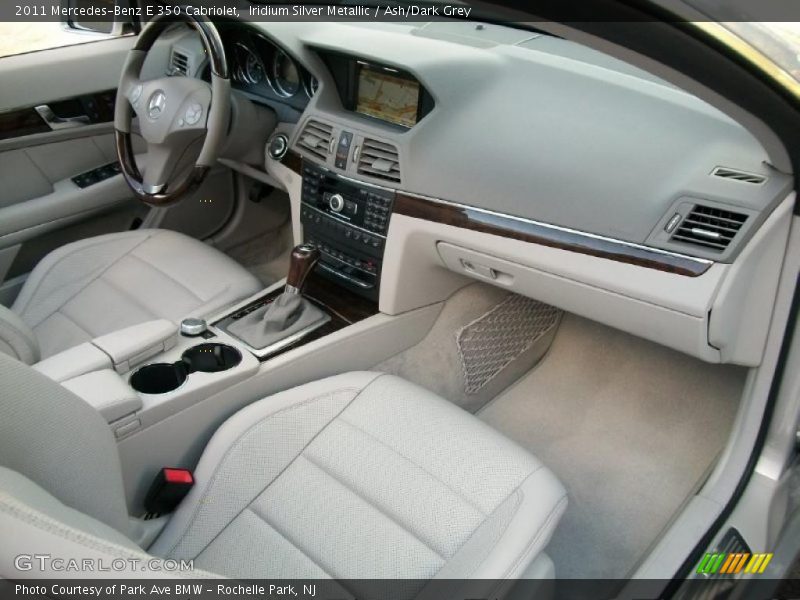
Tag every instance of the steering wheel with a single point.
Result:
(173, 112)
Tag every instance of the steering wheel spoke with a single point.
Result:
(174, 114)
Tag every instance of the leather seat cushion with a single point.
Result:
(103, 284)
(366, 476)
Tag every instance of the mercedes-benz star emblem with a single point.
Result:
(157, 104)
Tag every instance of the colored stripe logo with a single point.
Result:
(733, 563)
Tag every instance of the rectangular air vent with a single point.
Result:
(736, 175)
(178, 64)
(379, 160)
(712, 228)
(316, 138)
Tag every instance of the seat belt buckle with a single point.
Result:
(169, 487)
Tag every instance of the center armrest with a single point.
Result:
(107, 392)
(133, 345)
(121, 350)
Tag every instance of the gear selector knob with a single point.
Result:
(303, 259)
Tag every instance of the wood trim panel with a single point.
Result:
(21, 122)
(338, 300)
(293, 161)
(527, 231)
(98, 107)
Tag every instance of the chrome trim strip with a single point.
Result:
(367, 183)
(576, 232)
(280, 344)
(346, 277)
(352, 180)
(322, 212)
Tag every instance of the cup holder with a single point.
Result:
(161, 378)
(211, 358)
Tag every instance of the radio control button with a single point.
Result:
(336, 202)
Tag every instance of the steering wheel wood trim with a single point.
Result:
(133, 177)
(217, 113)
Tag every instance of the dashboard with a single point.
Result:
(426, 153)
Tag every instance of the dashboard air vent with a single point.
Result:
(736, 175)
(379, 160)
(708, 227)
(316, 138)
(178, 64)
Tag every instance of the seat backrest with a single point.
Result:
(55, 439)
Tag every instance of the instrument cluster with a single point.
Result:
(261, 68)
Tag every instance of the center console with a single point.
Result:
(348, 222)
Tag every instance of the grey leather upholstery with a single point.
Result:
(363, 476)
(16, 338)
(102, 284)
(360, 475)
(58, 441)
(287, 315)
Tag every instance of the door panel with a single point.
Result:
(41, 208)
(42, 205)
(39, 194)
(61, 73)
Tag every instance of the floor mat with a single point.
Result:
(629, 427)
(483, 341)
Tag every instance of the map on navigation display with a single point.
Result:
(386, 97)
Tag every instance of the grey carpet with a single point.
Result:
(629, 427)
(435, 362)
(267, 255)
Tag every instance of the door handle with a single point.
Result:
(55, 122)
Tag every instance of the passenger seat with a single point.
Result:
(357, 476)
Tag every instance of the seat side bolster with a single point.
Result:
(49, 535)
(510, 538)
(55, 439)
(16, 338)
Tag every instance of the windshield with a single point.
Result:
(780, 42)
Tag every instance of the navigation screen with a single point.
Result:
(387, 97)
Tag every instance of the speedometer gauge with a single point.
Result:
(249, 67)
(285, 75)
(311, 86)
(254, 69)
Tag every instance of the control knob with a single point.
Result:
(336, 202)
(192, 326)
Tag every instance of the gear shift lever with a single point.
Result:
(287, 308)
(289, 313)
(303, 259)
